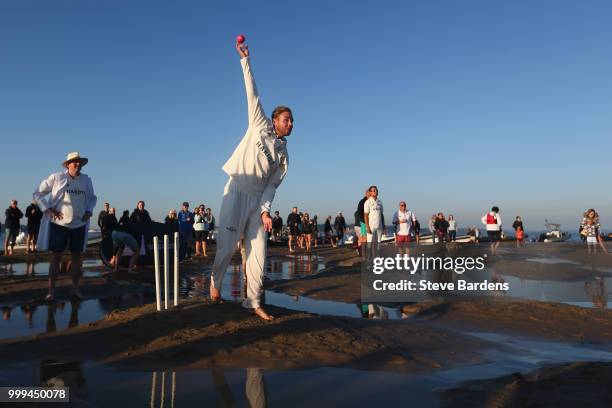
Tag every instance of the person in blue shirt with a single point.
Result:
(185, 220)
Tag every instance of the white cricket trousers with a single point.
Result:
(240, 216)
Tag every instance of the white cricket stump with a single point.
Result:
(166, 265)
(166, 270)
(156, 259)
(176, 267)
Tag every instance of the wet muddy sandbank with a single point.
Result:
(536, 319)
(341, 282)
(565, 385)
(198, 334)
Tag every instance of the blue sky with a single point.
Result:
(452, 106)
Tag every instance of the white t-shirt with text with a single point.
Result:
(73, 204)
(374, 209)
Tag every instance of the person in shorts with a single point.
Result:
(493, 222)
(209, 219)
(34, 216)
(360, 226)
(403, 219)
(11, 227)
(591, 236)
(67, 199)
(373, 212)
(199, 227)
(293, 223)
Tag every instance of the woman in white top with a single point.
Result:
(452, 228)
(199, 226)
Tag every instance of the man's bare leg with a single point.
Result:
(76, 268)
(54, 267)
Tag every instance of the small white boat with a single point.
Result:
(553, 233)
(427, 239)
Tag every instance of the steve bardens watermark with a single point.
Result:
(423, 284)
(413, 264)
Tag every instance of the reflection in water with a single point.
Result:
(51, 317)
(238, 281)
(255, 388)
(69, 374)
(51, 309)
(31, 268)
(596, 289)
(6, 313)
(195, 284)
(163, 386)
(225, 398)
(377, 312)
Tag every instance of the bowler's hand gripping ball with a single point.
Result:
(240, 39)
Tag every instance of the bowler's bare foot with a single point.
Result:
(215, 295)
(262, 314)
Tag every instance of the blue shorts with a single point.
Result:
(60, 237)
(364, 230)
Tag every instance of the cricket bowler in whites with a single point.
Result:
(255, 170)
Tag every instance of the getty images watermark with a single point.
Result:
(390, 277)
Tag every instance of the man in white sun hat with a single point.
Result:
(67, 199)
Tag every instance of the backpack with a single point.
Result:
(491, 218)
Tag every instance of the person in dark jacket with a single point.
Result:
(11, 227)
(34, 216)
(340, 226)
(329, 232)
(101, 216)
(441, 228)
(109, 222)
(140, 218)
(294, 222)
(518, 222)
(125, 219)
(360, 227)
(277, 226)
(172, 222)
(416, 229)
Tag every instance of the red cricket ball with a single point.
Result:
(240, 39)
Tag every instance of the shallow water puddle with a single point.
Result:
(197, 282)
(104, 386)
(552, 261)
(594, 292)
(42, 268)
(30, 319)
